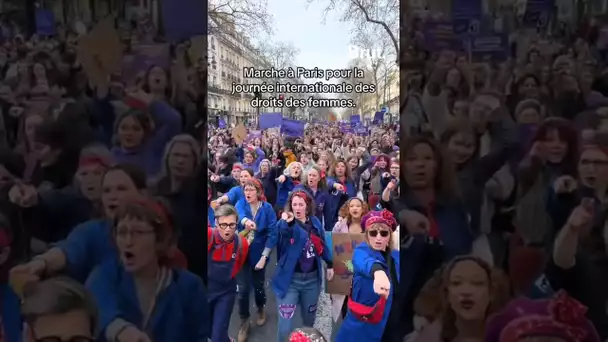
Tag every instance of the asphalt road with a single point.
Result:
(267, 332)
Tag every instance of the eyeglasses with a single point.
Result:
(71, 339)
(374, 233)
(227, 225)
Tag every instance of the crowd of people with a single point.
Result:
(101, 187)
(505, 173)
(273, 193)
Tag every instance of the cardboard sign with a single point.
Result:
(239, 133)
(100, 52)
(342, 246)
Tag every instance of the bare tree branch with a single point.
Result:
(248, 18)
(370, 14)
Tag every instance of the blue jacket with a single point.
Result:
(335, 201)
(352, 329)
(180, 309)
(283, 190)
(320, 198)
(210, 217)
(168, 123)
(351, 187)
(422, 256)
(87, 246)
(11, 314)
(292, 240)
(265, 236)
(235, 194)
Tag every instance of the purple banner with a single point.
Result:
(466, 16)
(378, 118)
(45, 22)
(292, 128)
(538, 13)
(182, 19)
(490, 48)
(361, 131)
(439, 35)
(354, 119)
(270, 120)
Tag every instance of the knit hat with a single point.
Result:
(561, 316)
(383, 217)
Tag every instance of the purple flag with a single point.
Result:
(270, 120)
(184, 19)
(292, 128)
(45, 22)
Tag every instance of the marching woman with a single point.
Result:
(315, 185)
(236, 193)
(375, 264)
(258, 225)
(342, 187)
(143, 295)
(291, 177)
(349, 221)
(297, 281)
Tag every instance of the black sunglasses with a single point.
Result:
(374, 233)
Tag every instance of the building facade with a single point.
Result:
(228, 53)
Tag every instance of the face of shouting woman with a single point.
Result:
(420, 167)
(299, 207)
(355, 208)
(468, 290)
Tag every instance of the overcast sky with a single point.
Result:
(321, 44)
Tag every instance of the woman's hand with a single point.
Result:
(21, 275)
(564, 185)
(214, 204)
(250, 225)
(132, 334)
(330, 274)
(282, 179)
(415, 222)
(261, 263)
(338, 187)
(287, 216)
(382, 285)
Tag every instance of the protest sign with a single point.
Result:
(292, 128)
(45, 22)
(355, 119)
(270, 120)
(182, 19)
(378, 118)
(100, 52)
(537, 13)
(239, 134)
(361, 131)
(342, 247)
(439, 35)
(466, 17)
(490, 48)
(222, 123)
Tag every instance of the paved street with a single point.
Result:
(268, 332)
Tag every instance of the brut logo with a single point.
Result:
(355, 51)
